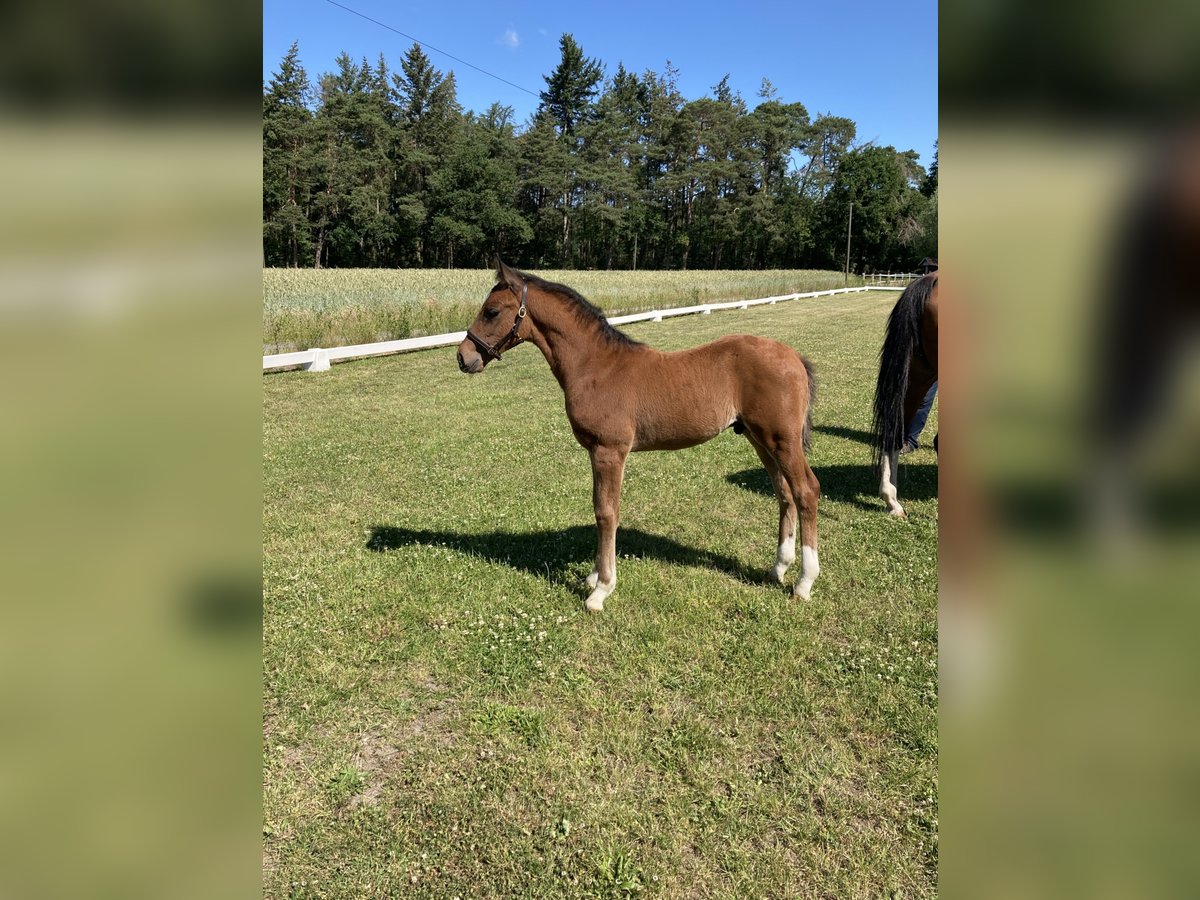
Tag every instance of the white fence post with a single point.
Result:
(320, 361)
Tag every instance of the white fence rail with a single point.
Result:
(318, 359)
(890, 279)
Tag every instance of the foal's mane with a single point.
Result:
(586, 313)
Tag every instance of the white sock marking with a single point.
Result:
(810, 568)
(887, 485)
(785, 557)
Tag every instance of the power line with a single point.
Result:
(433, 48)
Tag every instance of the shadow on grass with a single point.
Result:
(850, 434)
(557, 555)
(856, 484)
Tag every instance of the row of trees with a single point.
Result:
(372, 167)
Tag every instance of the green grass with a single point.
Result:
(442, 718)
(305, 308)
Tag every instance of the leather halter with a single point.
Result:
(509, 340)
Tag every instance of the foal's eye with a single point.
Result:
(490, 313)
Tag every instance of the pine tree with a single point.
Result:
(828, 140)
(661, 245)
(430, 119)
(930, 185)
(427, 99)
(544, 178)
(571, 87)
(287, 164)
(722, 92)
(609, 164)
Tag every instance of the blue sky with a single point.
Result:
(873, 61)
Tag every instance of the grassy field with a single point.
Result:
(305, 308)
(441, 717)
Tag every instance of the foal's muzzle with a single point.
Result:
(472, 362)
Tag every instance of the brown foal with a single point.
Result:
(623, 396)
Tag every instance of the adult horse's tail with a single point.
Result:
(901, 339)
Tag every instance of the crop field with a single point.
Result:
(305, 308)
(443, 719)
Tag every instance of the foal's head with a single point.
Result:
(502, 322)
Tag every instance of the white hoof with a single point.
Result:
(803, 590)
(592, 580)
(595, 603)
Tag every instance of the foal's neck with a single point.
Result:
(571, 344)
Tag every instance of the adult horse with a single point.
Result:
(908, 367)
(1147, 336)
(623, 396)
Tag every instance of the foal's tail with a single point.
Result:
(806, 434)
(900, 341)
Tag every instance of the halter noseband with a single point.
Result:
(509, 340)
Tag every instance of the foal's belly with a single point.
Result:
(673, 443)
(658, 433)
(676, 433)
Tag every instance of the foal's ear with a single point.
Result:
(508, 275)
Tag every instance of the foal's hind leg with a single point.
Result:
(786, 554)
(795, 474)
(807, 489)
(608, 469)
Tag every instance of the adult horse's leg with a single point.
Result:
(889, 462)
(786, 554)
(608, 469)
(918, 386)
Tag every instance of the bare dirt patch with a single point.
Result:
(379, 750)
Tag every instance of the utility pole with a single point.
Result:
(849, 225)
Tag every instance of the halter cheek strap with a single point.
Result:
(509, 340)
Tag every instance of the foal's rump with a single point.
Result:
(690, 396)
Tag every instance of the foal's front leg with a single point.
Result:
(608, 468)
